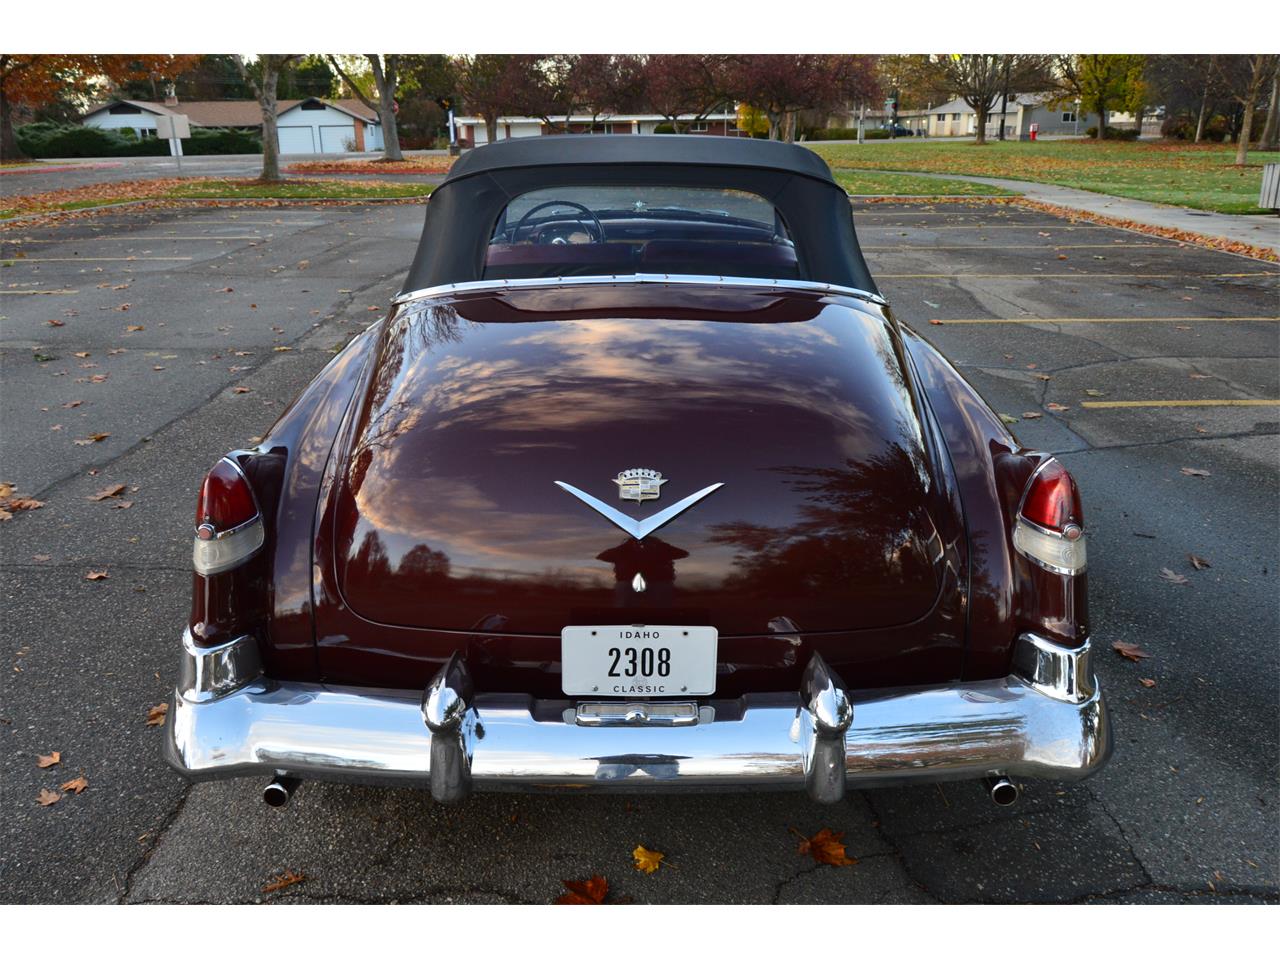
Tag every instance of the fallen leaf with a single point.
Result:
(92, 438)
(155, 716)
(1195, 472)
(76, 786)
(41, 558)
(585, 891)
(96, 575)
(1032, 415)
(1043, 376)
(48, 760)
(1146, 681)
(1200, 563)
(6, 490)
(112, 491)
(1095, 393)
(1005, 418)
(55, 323)
(122, 505)
(647, 860)
(72, 404)
(1130, 651)
(1056, 407)
(1170, 577)
(286, 879)
(134, 328)
(47, 797)
(82, 354)
(825, 847)
(241, 390)
(282, 349)
(936, 323)
(23, 503)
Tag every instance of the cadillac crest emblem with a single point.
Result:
(639, 484)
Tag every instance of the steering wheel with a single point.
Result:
(592, 219)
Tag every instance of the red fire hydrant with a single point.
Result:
(1035, 128)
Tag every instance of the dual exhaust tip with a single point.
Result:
(1004, 792)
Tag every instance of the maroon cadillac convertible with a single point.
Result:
(640, 487)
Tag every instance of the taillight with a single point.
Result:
(1049, 529)
(228, 525)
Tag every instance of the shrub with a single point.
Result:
(55, 140)
(879, 133)
(833, 133)
(664, 128)
(1112, 133)
(208, 141)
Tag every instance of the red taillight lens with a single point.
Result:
(1053, 500)
(226, 501)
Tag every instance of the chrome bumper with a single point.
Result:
(1047, 720)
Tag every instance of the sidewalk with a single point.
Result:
(1261, 230)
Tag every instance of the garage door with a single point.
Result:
(335, 139)
(296, 140)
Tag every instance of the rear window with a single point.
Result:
(608, 230)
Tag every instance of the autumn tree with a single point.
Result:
(1102, 82)
(31, 81)
(1246, 77)
(385, 68)
(604, 84)
(263, 77)
(782, 85)
(1271, 128)
(685, 85)
(982, 80)
(494, 84)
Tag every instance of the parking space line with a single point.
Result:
(134, 239)
(991, 226)
(20, 260)
(1111, 404)
(32, 293)
(1074, 276)
(1173, 244)
(1109, 320)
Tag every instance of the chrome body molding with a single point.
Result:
(207, 673)
(472, 286)
(1045, 720)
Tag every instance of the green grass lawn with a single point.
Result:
(295, 190)
(1200, 176)
(864, 183)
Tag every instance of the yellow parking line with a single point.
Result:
(1072, 276)
(1105, 404)
(993, 226)
(18, 260)
(32, 293)
(1111, 320)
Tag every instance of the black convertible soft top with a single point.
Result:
(463, 210)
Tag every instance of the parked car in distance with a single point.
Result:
(641, 486)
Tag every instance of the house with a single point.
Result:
(955, 118)
(305, 126)
(472, 131)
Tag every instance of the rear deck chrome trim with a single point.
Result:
(822, 738)
(666, 279)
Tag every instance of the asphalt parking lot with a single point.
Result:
(183, 333)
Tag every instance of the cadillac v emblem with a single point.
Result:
(639, 484)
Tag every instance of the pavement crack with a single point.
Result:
(156, 837)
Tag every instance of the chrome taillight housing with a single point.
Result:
(1049, 528)
(229, 526)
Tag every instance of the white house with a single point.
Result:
(306, 126)
(472, 131)
(955, 118)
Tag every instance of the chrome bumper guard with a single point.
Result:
(1046, 720)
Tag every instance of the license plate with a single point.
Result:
(638, 661)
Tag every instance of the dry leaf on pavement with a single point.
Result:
(96, 575)
(825, 847)
(47, 797)
(647, 860)
(585, 891)
(1200, 563)
(77, 785)
(1032, 415)
(1130, 651)
(1169, 576)
(1056, 407)
(48, 760)
(286, 879)
(155, 716)
(1195, 472)
(240, 390)
(1146, 681)
(92, 438)
(112, 491)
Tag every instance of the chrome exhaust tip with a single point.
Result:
(1004, 792)
(279, 790)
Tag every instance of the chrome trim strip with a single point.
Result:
(469, 286)
(1064, 673)
(638, 528)
(207, 673)
(963, 731)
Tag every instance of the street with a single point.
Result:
(176, 335)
